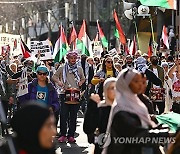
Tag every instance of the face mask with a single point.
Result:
(51, 64)
(154, 62)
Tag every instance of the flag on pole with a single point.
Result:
(168, 4)
(119, 31)
(83, 42)
(25, 50)
(73, 37)
(133, 47)
(165, 37)
(102, 37)
(150, 49)
(96, 38)
(50, 45)
(61, 47)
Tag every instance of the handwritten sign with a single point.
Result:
(42, 47)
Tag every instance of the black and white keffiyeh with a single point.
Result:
(71, 69)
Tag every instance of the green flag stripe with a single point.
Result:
(104, 41)
(116, 33)
(82, 47)
(62, 52)
(161, 3)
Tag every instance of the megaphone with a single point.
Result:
(129, 14)
(143, 9)
(127, 5)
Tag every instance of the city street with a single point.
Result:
(81, 145)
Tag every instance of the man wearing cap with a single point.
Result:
(69, 76)
(42, 90)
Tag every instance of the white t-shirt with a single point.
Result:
(175, 86)
(155, 71)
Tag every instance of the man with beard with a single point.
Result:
(69, 76)
(129, 62)
(159, 72)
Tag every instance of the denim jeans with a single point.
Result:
(68, 117)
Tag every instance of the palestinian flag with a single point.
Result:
(102, 37)
(168, 4)
(73, 37)
(61, 47)
(133, 47)
(83, 42)
(150, 49)
(25, 50)
(119, 31)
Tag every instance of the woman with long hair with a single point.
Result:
(108, 70)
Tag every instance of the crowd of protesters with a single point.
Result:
(119, 95)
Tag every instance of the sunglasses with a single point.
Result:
(39, 73)
(109, 62)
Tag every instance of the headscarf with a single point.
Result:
(164, 64)
(106, 85)
(127, 101)
(141, 65)
(27, 123)
(73, 53)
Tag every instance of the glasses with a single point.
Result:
(109, 62)
(39, 73)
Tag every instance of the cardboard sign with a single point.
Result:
(42, 47)
(113, 52)
(23, 84)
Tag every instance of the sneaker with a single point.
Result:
(62, 139)
(71, 140)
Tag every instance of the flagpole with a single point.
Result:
(137, 36)
(152, 32)
(74, 42)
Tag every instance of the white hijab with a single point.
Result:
(126, 100)
(107, 83)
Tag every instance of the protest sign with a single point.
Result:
(42, 47)
(23, 84)
(13, 41)
(113, 52)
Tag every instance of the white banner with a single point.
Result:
(23, 84)
(13, 41)
(42, 47)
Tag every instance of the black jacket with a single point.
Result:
(95, 118)
(147, 102)
(153, 79)
(127, 124)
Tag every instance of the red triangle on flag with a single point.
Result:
(82, 30)
(73, 35)
(25, 50)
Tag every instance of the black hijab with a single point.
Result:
(27, 123)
